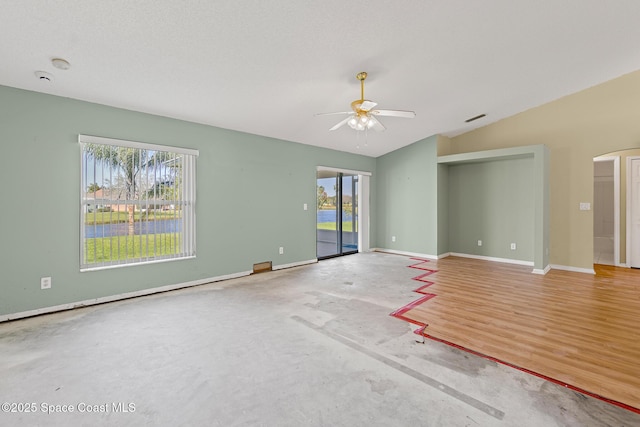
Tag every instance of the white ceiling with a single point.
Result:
(267, 66)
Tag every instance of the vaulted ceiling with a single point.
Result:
(266, 67)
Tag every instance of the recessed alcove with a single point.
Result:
(514, 204)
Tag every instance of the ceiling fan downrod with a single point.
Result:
(361, 76)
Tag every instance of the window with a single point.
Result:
(137, 203)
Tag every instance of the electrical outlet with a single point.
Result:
(45, 283)
(479, 242)
(513, 246)
(281, 250)
(393, 238)
(305, 207)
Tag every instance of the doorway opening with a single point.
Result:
(606, 210)
(337, 221)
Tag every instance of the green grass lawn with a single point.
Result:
(119, 217)
(346, 226)
(125, 247)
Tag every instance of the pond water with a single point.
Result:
(327, 215)
(144, 227)
(172, 226)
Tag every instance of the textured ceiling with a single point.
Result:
(267, 66)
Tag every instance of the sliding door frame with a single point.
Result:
(363, 190)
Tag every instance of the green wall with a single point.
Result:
(492, 201)
(438, 205)
(250, 196)
(407, 199)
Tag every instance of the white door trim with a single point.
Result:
(363, 213)
(364, 203)
(628, 195)
(345, 171)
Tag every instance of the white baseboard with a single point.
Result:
(411, 254)
(111, 298)
(574, 269)
(494, 259)
(461, 255)
(143, 292)
(543, 271)
(295, 264)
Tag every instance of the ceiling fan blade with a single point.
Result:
(331, 114)
(342, 122)
(394, 113)
(367, 105)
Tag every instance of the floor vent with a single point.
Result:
(262, 267)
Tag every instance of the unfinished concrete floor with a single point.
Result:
(307, 346)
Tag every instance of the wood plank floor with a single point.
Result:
(574, 328)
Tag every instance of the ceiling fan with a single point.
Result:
(363, 116)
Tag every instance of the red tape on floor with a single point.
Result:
(400, 314)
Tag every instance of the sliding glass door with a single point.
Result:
(337, 214)
(349, 220)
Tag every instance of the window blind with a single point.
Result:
(137, 202)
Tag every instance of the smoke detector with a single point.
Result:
(61, 64)
(44, 76)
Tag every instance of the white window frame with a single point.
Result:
(186, 201)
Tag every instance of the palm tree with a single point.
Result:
(322, 196)
(130, 164)
(168, 187)
(128, 161)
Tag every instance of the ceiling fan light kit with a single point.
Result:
(360, 122)
(363, 115)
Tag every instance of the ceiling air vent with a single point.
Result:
(475, 118)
